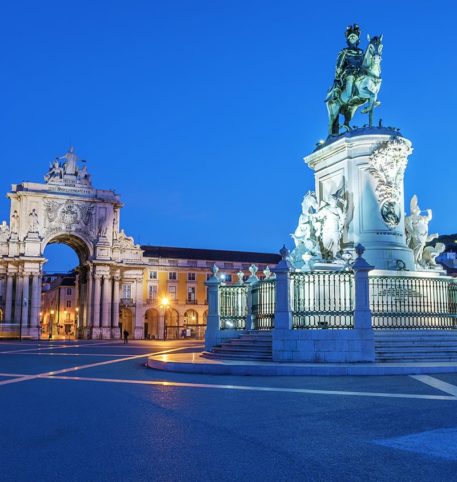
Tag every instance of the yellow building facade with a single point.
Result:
(173, 302)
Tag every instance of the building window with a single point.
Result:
(152, 274)
(152, 292)
(190, 276)
(127, 291)
(172, 292)
(68, 304)
(172, 276)
(172, 262)
(192, 263)
(191, 294)
(69, 291)
(228, 265)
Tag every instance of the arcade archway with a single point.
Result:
(151, 324)
(66, 209)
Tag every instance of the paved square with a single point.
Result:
(93, 411)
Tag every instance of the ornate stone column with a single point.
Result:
(18, 301)
(161, 327)
(106, 307)
(88, 303)
(36, 306)
(116, 294)
(25, 300)
(96, 305)
(139, 319)
(8, 297)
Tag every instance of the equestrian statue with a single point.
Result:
(357, 80)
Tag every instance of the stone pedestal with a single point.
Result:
(365, 168)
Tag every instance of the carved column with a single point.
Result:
(8, 297)
(18, 301)
(116, 333)
(25, 300)
(96, 305)
(139, 320)
(88, 302)
(106, 306)
(36, 306)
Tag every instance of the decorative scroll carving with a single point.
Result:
(125, 242)
(387, 165)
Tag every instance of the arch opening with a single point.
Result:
(64, 289)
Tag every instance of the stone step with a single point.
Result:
(249, 343)
(245, 351)
(237, 357)
(415, 360)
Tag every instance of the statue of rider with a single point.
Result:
(348, 64)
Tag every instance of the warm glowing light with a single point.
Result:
(52, 312)
(165, 301)
(76, 309)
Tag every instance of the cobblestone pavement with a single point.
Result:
(92, 411)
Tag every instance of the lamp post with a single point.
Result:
(76, 319)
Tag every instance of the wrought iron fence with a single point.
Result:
(263, 304)
(413, 303)
(233, 307)
(322, 299)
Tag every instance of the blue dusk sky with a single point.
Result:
(198, 113)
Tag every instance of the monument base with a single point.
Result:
(361, 175)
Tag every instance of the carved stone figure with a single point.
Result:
(70, 166)
(305, 238)
(387, 166)
(416, 226)
(4, 231)
(14, 223)
(84, 177)
(33, 221)
(430, 254)
(330, 224)
(357, 80)
(55, 171)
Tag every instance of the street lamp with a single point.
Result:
(76, 319)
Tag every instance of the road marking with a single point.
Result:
(51, 347)
(436, 383)
(251, 388)
(13, 375)
(71, 354)
(82, 367)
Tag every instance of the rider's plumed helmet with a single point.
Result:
(352, 29)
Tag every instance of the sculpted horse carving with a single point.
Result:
(365, 89)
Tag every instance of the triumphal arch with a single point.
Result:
(67, 209)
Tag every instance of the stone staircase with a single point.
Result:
(416, 345)
(249, 346)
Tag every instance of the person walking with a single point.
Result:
(126, 336)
